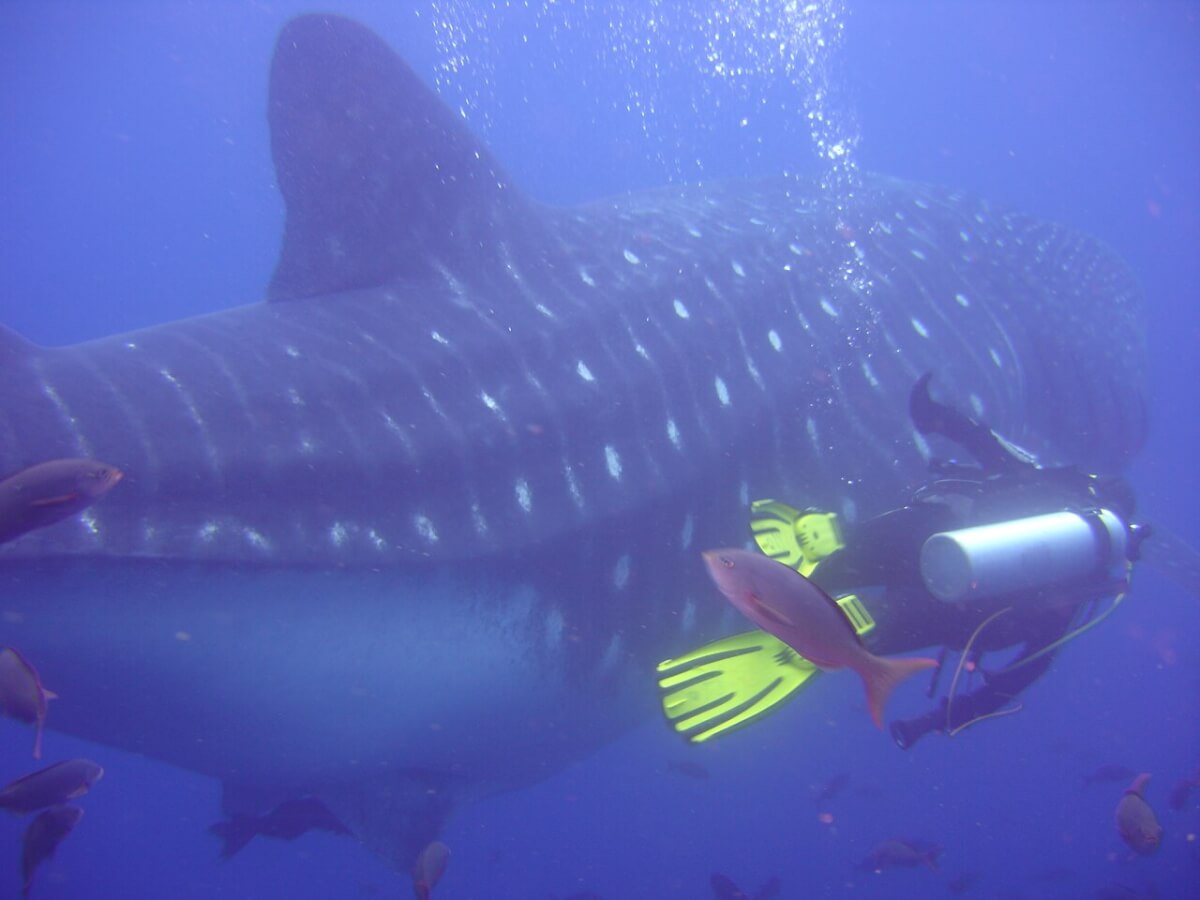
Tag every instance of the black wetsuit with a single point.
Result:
(884, 553)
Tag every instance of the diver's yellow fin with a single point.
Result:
(796, 538)
(729, 683)
(774, 527)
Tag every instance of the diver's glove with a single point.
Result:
(906, 732)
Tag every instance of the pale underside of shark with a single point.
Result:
(417, 528)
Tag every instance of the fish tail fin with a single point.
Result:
(1139, 785)
(931, 858)
(881, 678)
(37, 739)
(234, 834)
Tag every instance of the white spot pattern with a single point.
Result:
(425, 527)
(573, 485)
(688, 534)
(722, 390)
(524, 495)
(477, 518)
(612, 459)
(256, 539)
(673, 434)
(621, 572)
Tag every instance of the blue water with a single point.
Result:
(136, 187)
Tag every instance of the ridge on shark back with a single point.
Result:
(417, 528)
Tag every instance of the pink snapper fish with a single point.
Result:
(781, 601)
(22, 695)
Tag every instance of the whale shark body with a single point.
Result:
(417, 527)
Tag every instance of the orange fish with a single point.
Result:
(430, 867)
(1136, 822)
(1178, 797)
(22, 695)
(43, 836)
(896, 853)
(52, 785)
(781, 601)
(43, 494)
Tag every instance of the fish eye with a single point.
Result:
(727, 562)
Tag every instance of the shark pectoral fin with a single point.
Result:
(396, 814)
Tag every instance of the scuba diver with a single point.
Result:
(986, 556)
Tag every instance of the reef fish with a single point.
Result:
(51, 491)
(22, 695)
(52, 785)
(1136, 822)
(42, 837)
(781, 601)
(429, 869)
(897, 853)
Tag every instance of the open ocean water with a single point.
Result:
(136, 187)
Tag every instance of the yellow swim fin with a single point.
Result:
(796, 538)
(729, 683)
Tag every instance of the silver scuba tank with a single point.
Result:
(1025, 554)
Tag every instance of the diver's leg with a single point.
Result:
(883, 551)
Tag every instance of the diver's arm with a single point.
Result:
(997, 695)
(995, 455)
(999, 690)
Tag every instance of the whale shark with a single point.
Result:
(415, 528)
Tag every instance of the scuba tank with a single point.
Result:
(1025, 555)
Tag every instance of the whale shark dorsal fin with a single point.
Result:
(381, 180)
